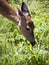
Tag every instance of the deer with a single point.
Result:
(20, 17)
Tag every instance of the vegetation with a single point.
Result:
(14, 48)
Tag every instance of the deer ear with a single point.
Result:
(24, 8)
(19, 12)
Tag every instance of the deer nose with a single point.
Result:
(33, 43)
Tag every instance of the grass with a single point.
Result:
(15, 49)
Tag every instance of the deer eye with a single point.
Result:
(27, 27)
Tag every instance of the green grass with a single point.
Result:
(15, 49)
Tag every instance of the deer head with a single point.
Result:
(21, 17)
(26, 24)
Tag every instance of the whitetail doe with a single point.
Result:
(20, 17)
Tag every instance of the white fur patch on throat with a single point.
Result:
(19, 24)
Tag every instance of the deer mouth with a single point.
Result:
(33, 43)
